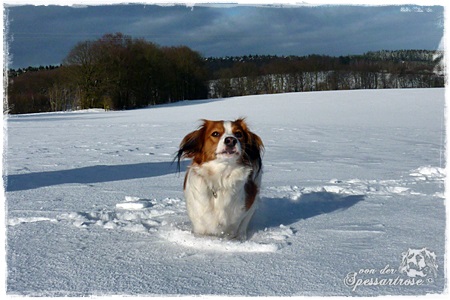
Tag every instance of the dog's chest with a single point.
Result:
(222, 175)
(220, 183)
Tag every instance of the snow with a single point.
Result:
(352, 180)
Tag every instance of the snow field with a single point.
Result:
(351, 181)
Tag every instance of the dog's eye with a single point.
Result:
(215, 134)
(238, 134)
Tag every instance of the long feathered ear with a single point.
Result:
(254, 151)
(254, 147)
(190, 145)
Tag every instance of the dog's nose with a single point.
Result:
(230, 141)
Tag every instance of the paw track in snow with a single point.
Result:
(134, 204)
(168, 219)
(134, 214)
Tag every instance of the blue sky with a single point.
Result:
(44, 35)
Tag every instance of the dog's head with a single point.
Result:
(418, 262)
(222, 140)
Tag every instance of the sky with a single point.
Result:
(44, 35)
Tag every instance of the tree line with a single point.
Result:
(249, 75)
(117, 71)
(113, 72)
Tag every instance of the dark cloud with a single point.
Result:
(41, 35)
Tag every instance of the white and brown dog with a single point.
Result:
(222, 184)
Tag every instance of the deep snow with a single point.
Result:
(352, 180)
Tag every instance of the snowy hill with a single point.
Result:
(352, 182)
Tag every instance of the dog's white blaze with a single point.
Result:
(228, 128)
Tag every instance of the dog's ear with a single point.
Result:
(191, 145)
(429, 255)
(254, 149)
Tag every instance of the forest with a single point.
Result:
(119, 72)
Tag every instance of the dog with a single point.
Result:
(222, 184)
(419, 263)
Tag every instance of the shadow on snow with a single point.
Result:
(273, 212)
(91, 174)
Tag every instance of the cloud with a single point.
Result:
(45, 34)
